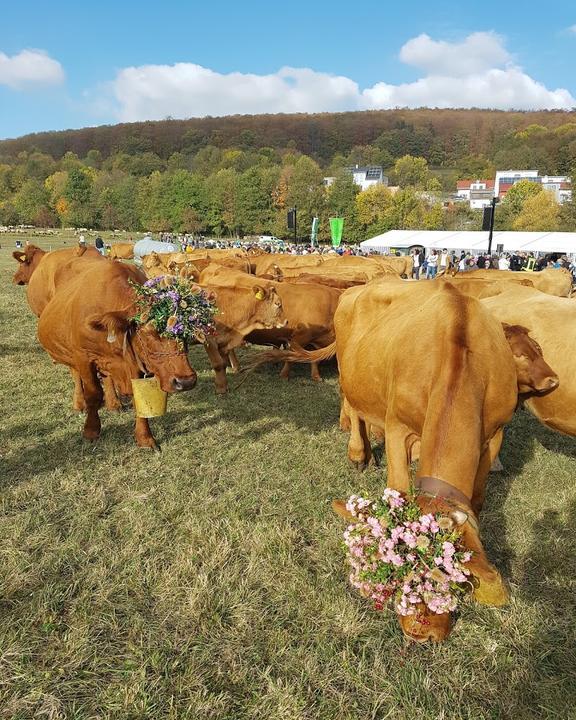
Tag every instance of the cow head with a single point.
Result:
(534, 374)
(245, 309)
(153, 265)
(130, 350)
(489, 588)
(267, 307)
(165, 358)
(28, 260)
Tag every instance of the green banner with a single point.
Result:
(336, 228)
(314, 233)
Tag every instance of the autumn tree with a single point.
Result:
(255, 207)
(539, 212)
(32, 204)
(411, 171)
(373, 207)
(511, 206)
(221, 191)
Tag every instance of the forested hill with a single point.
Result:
(441, 136)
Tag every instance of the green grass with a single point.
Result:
(207, 582)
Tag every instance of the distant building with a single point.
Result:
(506, 178)
(479, 193)
(364, 177)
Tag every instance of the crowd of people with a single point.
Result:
(433, 263)
(426, 265)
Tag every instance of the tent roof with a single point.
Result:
(564, 242)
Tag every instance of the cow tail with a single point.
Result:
(296, 354)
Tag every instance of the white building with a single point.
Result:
(479, 193)
(506, 178)
(364, 177)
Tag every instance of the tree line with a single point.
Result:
(246, 189)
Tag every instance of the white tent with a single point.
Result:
(475, 241)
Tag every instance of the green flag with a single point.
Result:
(314, 233)
(336, 227)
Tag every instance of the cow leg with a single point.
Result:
(285, 372)
(78, 402)
(143, 434)
(93, 397)
(111, 401)
(486, 460)
(315, 372)
(344, 414)
(397, 457)
(218, 365)
(359, 448)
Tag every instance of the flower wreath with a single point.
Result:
(178, 309)
(402, 556)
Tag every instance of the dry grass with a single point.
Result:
(207, 582)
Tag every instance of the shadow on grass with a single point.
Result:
(521, 440)
(547, 581)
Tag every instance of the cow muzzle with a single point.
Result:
(547, 383)
(180, 384)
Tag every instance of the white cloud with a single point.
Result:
(29, 67)
(500, 89)
(185, 89)
(477, 72)
(477, 53)
(572, 29)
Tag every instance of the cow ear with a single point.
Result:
(489, 588)
(259, 292)
(112, 323)
(339, 507)
(20, 256)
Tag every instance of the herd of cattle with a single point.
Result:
(436, 367)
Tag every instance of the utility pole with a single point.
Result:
(491, 228)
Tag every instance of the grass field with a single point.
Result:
(208, 582)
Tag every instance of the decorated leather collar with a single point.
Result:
(436, 488)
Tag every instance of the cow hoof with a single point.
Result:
(221, 391)
(358, 465)
(147, 445)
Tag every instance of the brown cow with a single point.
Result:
(434, 369)
(266, 264)
(308, 311)
(186, 266)
(553, 281)
(158, 264)
(38, 271)
(552, 323)
(369, 271)
(87, 327)
(121, 251)
(330, 280)
(244, 307)
(37, 268)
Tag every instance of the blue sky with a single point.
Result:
(108, 61)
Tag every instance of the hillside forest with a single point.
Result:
(237, 176)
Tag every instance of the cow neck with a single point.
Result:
(436, 488)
